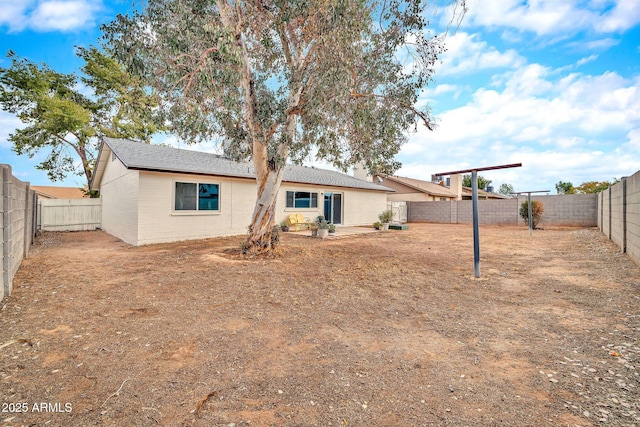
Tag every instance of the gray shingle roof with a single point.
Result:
(136, 155)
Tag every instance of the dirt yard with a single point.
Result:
(384, 329)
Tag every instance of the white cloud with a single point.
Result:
(62, 15)
(624, 15)
(48, 15)
(466, 54)
(564, 128)
(553, 17)
(14, 14)
(586, 60)
(8, 124)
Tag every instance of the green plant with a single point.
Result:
(377, 225)
(323, 225)
(385, 216)
(537, 209)
(332, 228)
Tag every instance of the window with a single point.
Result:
(302, 199)
(190, 196)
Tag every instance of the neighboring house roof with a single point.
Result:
(159, 158)
(51, 192)
(421, 186)
(467, 192)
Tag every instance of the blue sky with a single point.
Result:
(551, 84)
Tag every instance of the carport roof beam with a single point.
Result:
(486, 168)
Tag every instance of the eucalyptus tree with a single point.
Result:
(278, 80)
(66, 119)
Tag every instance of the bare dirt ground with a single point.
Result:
(385, 329)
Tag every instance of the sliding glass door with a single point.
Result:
(333, 207)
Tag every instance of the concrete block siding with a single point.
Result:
(569, 210)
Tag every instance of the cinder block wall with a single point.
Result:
(17, 226)
(633, 217)
(619, 215)
(438, 212)
(569, 210)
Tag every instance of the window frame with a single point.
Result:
(311, 199)
(197, 210)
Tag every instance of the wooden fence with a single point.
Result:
(69, 214)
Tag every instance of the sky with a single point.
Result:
(551, 84)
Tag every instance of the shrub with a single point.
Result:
(537, 209)
(386, 216)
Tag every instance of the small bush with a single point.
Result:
(537, 209)
(386, 216)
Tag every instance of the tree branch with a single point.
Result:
(421, 114)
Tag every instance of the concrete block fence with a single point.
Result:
(568, 210)
(17, 225)
(619, 215)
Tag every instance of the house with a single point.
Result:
(51, 192)
(482, 194)
(154, 194)
(415, 190)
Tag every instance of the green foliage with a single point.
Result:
(565, 188)
(295, 76)
(281, 80)
(482, 182)
(590, 187)
(537, 209)
(386, 216)
(587, 187)
(61, 119)
(505, 189)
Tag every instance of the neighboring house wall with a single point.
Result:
(411, 197)
(619, 215)
(569, 210)
(404, 193)
(119, 194)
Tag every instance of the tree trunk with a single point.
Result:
(261, 238)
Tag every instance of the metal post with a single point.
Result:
(530, 214)
(476, 228)
(474, 191)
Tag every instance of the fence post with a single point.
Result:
(26, 231)
(34, 215)
(600, 205)
(610, 219)
(2, 276)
